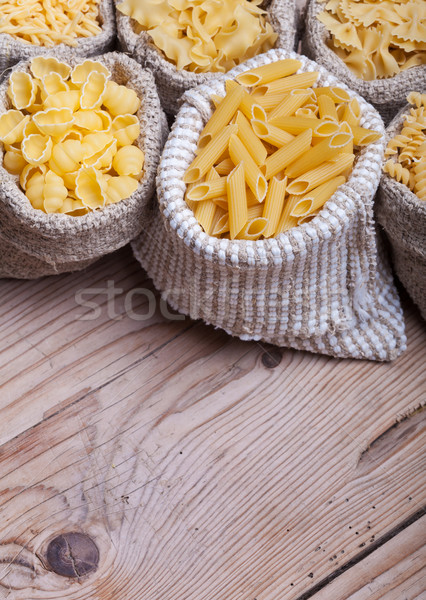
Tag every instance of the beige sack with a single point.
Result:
(320, 287)
(403, 217)
(171, 83)
(13, 50)
(33, 244)
(386, 95)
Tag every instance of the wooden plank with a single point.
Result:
(198, 472)
(395, 571)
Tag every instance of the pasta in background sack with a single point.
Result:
(402, 214)
(13, 49)
(386, 94)
(33, 243)
(173, 82)
(322, 286)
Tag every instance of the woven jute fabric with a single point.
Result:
(320, 287)
(171, 83)
(403, 217)
(33, 243)
(386, 95)
(12, 50)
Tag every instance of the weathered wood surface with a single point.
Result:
(198, 472)
(395, 571)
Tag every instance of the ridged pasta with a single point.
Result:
(253, 168)
(407, 149)
(71, 142)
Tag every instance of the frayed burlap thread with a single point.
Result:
(171, 83)
(403, 217)
(386, 95)
(320, 287)
(13, 50)
(34, 244)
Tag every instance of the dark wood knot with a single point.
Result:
(73, 554)
(271, 358)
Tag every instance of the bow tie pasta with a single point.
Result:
(70, 136)
(203, 35)
(48, 23)
(378, 38)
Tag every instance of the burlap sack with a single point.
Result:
(13, 50)
(33, 244)
(403, 217)
(172, 83)
(387, 95)
(320, 287)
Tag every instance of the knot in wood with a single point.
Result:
(271, 358)
(73, 554)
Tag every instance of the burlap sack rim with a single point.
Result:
(407, 197)
(140, 45)
(90, 44)
(319, 228)
(50, 223)
(375, 90)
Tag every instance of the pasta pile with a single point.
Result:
(270, 157)
(50, 22)
(408, 148)
(203, 35)
(377, 38)
(72, 155)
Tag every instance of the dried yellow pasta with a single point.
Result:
(255, 178)
(71, 156)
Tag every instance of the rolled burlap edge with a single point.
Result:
(12, 50)
(386, 95)
(403, 217)
(172, 83)
(55, 243)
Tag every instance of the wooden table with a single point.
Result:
(188, 465)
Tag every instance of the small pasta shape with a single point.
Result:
(52, 83)
(35, 190)
(93, 91)
(54, 192)
(22, 90)
(14, 161)
(41, 66)
(37, 148)
(399, 173)
(63, 99)
(125, 129)
(12, 125)
(129, 160)
(120, 187)
(54, 121)
(120, 100)
(90, 188)
(66, 156)
(81, 72)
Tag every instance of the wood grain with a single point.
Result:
(395, 571)
(199, 472)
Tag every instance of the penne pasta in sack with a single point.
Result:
(401, 200)
(321, 285)
(209, 49)
(90, 30)
(73, 189)
(378, 48)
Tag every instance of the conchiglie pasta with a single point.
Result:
(69, 136)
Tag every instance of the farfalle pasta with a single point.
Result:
(70, 136)
(376, 39)
(49, 23)
(203, 35)
(406, 152)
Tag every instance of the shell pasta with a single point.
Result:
(72, 153)
(274, 169)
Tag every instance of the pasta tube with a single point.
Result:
(254, 177)
(221, 116)
(315, 199)
(286, 221)
(321, 174)
(284, 156)
(270, 72)
(250, 140)
(208, 156)
(271, 134)
(287, 84)
(208, 190)
(274, 204)
(327, 108)
(290, 104)
(253, 229)
(362, 136)
(237, 200)
(295, 125)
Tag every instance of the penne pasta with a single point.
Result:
(218, 215)
(287, 84)
(345, 128)
(295, 125)
(327, 108)
(253, 229)
(352, 112)
(321, 174)
(287, 154)
(316, 198)
(253, 176)
(290, 104)
(221, 116)
(225, 166)
(274, 204)
(208, 156)
(250, 140)
(207, 190)
(362, 136)
(271, 134)
(286, 221)
(251, 109)
(337, 94)
(222, 225)
(237, 200)
(325, 150)
(204, 213)
(270, 72)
